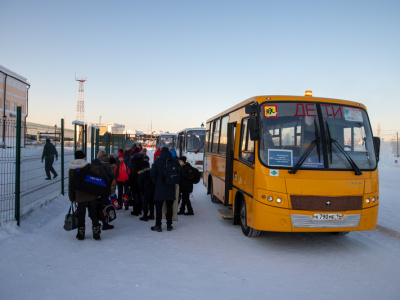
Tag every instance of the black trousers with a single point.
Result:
(48, 165)
(122, 188)
(92, 208)
(148, 206)
(159, 205)
(186, 202)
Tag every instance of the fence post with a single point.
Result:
(62, 157)
(74, 137)
(97, 140)
(18, 165)
(92, 143)
(85, 139)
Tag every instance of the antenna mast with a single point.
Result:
(80, 107)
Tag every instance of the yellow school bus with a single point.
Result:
(294, 164)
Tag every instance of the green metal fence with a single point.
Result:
(22, 175)
(23, 187)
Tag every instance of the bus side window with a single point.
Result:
(246, 145)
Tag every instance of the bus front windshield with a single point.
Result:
(195, 141)
(306, 135)
(167, 141)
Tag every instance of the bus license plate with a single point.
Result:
(328, 217)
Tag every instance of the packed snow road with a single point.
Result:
(204, 257)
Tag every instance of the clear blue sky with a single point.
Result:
(178, 63)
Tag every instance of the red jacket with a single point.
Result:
(123, 171)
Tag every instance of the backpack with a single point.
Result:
(109, 213)
(83, 181)
(171, 172)
(196, 175)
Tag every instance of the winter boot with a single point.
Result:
(189, 213)
(81, 233)
(107, 226)
(156, 228)
(144, 218)
(181, 212)
(169, 227)
(96, 232)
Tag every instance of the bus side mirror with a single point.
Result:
(254, 128)
(251, 108)
(377, 147)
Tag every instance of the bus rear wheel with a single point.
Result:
(247, 231)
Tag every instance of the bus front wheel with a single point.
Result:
(247, 231)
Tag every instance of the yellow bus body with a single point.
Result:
(306, 189)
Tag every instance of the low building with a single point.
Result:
(13, 93)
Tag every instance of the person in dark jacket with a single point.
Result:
(127, 153)
(84, 200)
(186, 187)
(146, 186)
(102, 162)
(136, 166)
(163, 192)
(49, 151)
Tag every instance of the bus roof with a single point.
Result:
(272, 98)
(192, 128)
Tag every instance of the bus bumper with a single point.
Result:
(268, 218)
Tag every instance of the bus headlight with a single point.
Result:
(367, 201)
(373, 199)
(270, 198)
(278, 200)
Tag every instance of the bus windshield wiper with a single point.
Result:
(306, 153)
(199, 148)
(332, 142)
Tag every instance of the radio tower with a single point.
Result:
(80, 107)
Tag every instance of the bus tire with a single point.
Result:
(214, 199)
(247, 230)
(340, 232)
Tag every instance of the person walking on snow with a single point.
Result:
(49, 151)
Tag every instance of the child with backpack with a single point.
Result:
(121, 171)
(186, 187)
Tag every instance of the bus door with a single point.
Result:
(230, 147)
(181, 141)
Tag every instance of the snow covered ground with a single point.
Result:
(204, 257)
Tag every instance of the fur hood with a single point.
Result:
(78, 163)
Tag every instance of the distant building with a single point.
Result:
(13, 93)
(111, 128)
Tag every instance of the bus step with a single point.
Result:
(226, 213)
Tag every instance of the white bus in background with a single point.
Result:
(191, 145)
(166, 140)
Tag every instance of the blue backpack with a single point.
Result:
(171, 172)
(83, 181)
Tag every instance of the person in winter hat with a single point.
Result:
(186, 186)
(121, 171)
(84, 200)
(49, 152)
(102, 163)
(163, 192)
(136, 166)
(146, 186)
(157, 154)
(173, 153)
